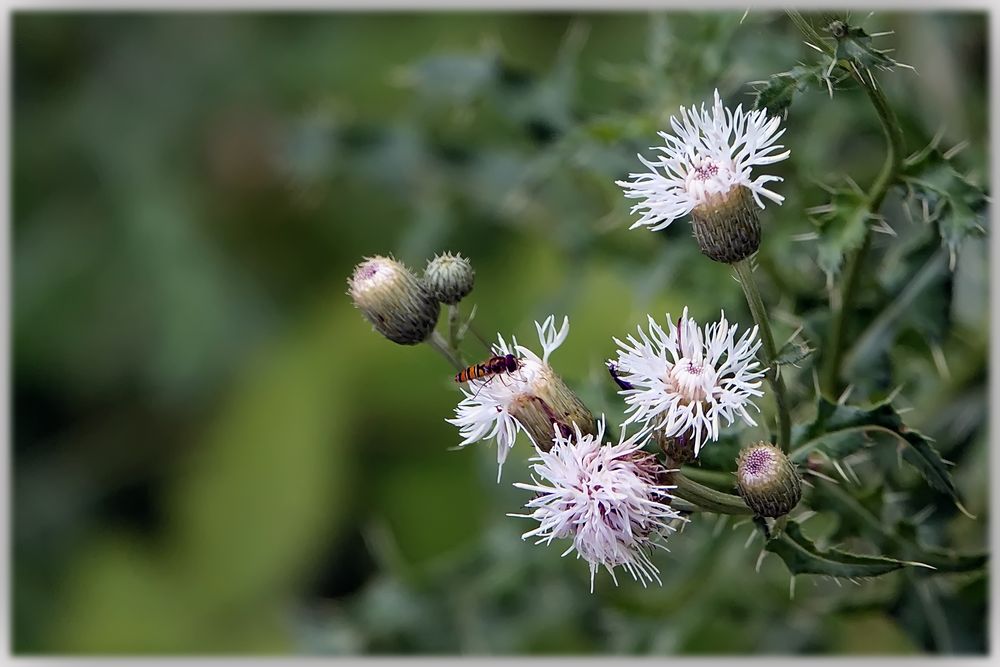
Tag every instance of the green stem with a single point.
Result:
(438, 342)
(453, 323)
(833, 353)
(708, 499)
(745, 274)
(715, 479)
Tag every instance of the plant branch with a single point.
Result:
(453, 357)
(745, 274)
(708, 499)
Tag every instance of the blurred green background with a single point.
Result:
(214, 453)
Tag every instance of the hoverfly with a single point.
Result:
(489, 369)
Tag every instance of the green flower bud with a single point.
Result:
(396, 302)
(727, 226)
(449, 277)
(767, 481)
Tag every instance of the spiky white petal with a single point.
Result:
(687, 381)
(484, 413)
(710, 152)
(605, 498)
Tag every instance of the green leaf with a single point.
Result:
(839, 430)
(899, 542)
(943, 560)
(946, 198)
(801, 556)
(777, 92)
(855, 45)
(918, 297)
(841, 224)
(793, 352)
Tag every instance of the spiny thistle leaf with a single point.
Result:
(842, 224)
(896, 541)
(802, 556)
(943, 560)
(793, 352)
(839, 430)
(944, 196)
(855, 46)
(776, 93)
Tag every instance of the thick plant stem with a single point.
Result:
(840, 304)
(745, 274)
(708, 499)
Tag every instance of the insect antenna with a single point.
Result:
(485, 382)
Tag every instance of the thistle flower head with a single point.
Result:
(396, 303)
(532, 398)
(686, 380)
(708, 159)
(607, 499)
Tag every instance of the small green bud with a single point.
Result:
(767, 481)
(449, 277)
(396, 302)
(727, 226)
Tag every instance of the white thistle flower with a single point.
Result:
(530, 399)
(711, 153)
(606, 498)
(685, 381)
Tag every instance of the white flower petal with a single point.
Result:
(605, 498)
(688, 380)
(711, 151)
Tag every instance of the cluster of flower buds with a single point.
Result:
(402, 306)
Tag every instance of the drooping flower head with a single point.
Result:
(395, 301)
(532, 398)
(685, 381)
(705, 168)
(608, 499)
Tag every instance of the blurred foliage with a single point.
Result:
(212, 451)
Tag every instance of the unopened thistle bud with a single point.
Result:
(449, 278)
(767, 480)
(396, 302)
(727, 226)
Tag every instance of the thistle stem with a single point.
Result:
(453, 322)
(708, 499)
(453, 357)
(840, 304)
(745, 274)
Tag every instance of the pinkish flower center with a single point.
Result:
(367, 271)
(758, 462)
(692, 379)
(705, 171)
